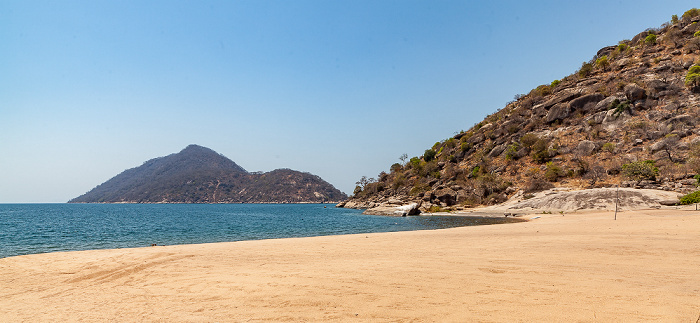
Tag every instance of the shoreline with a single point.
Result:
(484, 216)
(163, 223)
(208, 203)
(582, 267)
(428, 215)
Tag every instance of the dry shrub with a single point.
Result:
(536, 184)
(675, 171)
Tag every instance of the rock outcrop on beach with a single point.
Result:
(200, 175)
(627, 117)
(595, 199)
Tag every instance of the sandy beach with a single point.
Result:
(644, 266)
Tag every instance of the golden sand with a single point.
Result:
(645, 266)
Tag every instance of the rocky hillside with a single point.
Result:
(628, 117)
(200, 175)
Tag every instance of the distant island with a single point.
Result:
(200, 175)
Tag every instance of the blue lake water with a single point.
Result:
(39, 228)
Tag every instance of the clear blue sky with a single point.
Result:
(339, 89)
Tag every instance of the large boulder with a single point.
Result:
(586, 102)
(395, 201)
(682, 119)
(410, 209)
(613, 118)
(620, 63)
(391, 210)
(497, 151)
(690, 29)
(604, 104)
(670, 202)
(688, 182)
(539, 111)
(558, 112)
(657, 86)
(446, 196)
(352, 204)
(639, 37)
(486, 127)
(634, 92)
(476, 138)
(585, 148)
(605, 51)
(510, 125)
(596, 118)
(561, 96)
(658, 146)
(678, 123)
(459, 135)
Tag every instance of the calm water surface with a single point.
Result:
(39, 228)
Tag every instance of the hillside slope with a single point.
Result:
(628, 117)
(200, 175)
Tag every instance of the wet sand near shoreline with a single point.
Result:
(644, 266)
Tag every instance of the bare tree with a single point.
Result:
(669, 144)
(403, 159)
(362, 182)
(596, 174)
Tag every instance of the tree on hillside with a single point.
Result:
(403, 159)
(670, 142)
(692, 79)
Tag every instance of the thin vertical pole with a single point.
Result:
(617, 198)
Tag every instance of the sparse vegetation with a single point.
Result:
(602, 63)
(552, 172)
(436, 209)
(465, 146)
(536, 184)
(692, 13)
(398, 181)
(692, 79)
(640, 170)
(619, 107)
(640, 122)
(690, 198)
(609, 147)
(650, 39)
(585, 70)
(475, 171)
(694, 160)
(541, 90)
(528, 140)
(419, 188)
(540, 151)
(512, 150)
(621, 48)
(429, 155)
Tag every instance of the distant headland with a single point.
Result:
(200, 175)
